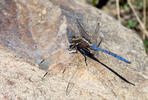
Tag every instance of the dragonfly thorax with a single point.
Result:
(79, 42)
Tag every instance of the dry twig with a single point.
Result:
(118, 9)
(144, 16)
(138, 19)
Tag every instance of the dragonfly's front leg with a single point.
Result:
(72, 48)
(73, 51)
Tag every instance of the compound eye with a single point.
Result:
(71, 37)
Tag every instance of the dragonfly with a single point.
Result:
(83, 44)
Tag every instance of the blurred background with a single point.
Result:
(131, 13)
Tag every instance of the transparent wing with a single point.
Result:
(95, 35)
(83, 33)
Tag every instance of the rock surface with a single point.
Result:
(34, 31)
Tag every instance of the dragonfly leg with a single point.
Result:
(84, 54)
(72, 48)
(73, 51)
(99, 42)
(85, 59)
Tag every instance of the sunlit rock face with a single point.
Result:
(33, 36)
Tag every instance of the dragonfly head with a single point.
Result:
(72, 38)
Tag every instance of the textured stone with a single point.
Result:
(33, 33)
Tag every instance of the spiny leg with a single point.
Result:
(85, 59)
(83, 53)
(71, 47)
(99, 42)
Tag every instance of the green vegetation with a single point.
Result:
(139, 4)
(131, 24)
(124, 6)
(94, 2)
(131, 11)
(146, 45)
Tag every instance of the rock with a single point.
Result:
(34, 34)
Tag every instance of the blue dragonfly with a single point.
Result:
(89, 44)
(83, 44)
